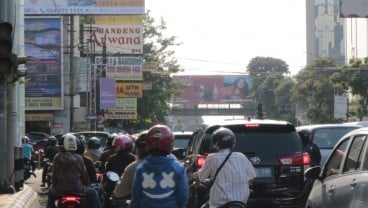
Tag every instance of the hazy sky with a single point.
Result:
(224, 35)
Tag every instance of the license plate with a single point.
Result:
(263, 172)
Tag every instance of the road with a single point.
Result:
(34, 183)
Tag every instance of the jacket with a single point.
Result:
(69, 173)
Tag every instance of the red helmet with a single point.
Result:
(122, 142)
(160, 137)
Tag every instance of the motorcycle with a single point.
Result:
(72, 201)
(28, 170)
(110, 182)
(48, 172)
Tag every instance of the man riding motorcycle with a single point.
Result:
(69, 174)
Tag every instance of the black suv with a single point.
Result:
(275, 150)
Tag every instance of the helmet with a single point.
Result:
(51, 140)
(25, 139)
(110, 139)
(160, 137)
(305, 137)
(122, 142)
(94, 143)
(68, 142)
(141, 144)
(223, 138)
(80, 145)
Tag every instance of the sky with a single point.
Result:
(222, 36)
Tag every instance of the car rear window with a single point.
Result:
(326, 138)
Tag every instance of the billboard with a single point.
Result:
(123, 68)
(214, 89)
(119, 39)
(80, 7)
(43, 39)
(356, 8)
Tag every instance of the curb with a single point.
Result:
(26, 198)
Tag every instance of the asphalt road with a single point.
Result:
(34, 183)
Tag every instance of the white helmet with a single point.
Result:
(70, 142)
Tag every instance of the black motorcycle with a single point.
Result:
(72, 201)
(28, 169)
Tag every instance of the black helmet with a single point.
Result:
(94, 143)
(52, 140)
(80, 145)
(223, 138)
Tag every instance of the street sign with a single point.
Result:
(91, 117)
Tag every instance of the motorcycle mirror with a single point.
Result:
(112, 176)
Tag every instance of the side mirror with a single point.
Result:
(179, 153)
(112, 176)
(313, 172)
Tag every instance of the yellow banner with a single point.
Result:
(43, 103)
(119, 19)
(129, 90)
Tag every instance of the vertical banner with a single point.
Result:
(341, 106)
(107, 93)
(43, 39)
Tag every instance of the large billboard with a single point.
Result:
(353, 8)
(43, 40)
(80, 7)
(118, 39)
(214, 89)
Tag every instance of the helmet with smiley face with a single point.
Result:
(161, 138)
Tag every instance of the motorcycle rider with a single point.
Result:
(160, 179)
(310, 147)
(117, 162)
(233, 179)
(50, 151)
(69, 174)
(123, 187)
(87, 161)
(108, 151)
(93, 149)
(27, 152)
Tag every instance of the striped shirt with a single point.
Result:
(231, 183)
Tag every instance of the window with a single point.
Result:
(354, 156)
(333, 164)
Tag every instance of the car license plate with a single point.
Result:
(263, 172)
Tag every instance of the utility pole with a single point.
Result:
(71, 73)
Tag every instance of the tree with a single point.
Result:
(314, 91)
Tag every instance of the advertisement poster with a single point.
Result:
(119, 114)
(107, 93)
(43, 39)
(121, 39)
(216, 89)
(88, 7)
(129, 90)
(123, 68)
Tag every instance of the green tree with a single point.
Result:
(314, 91)
(158, 64)
(267, 73)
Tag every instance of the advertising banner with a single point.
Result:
(126, 104)
(87, 7)
(356, 8)
(107, 93)
(123, 68)
(119, 19)
(121, 39)
(340, 106)
(216, 89)
(43, 39)
(112, 114)
(129, 90)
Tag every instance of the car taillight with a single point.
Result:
(298, 159)
(200, 161)
(251, 125)
(74, 199)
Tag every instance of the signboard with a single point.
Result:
(43, 39)
(39, 117)
(216, 89)
(340, 106)
(58, 129)
(119, 19)
(126, 104)
(123, 68)
(129, 90)
(111, 114)
(121, 39)
(88, 7)
(356, 8)
(107, 93)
